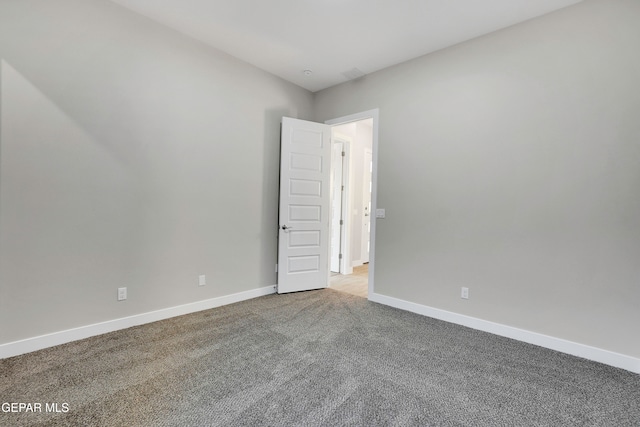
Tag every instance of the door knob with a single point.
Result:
(285, 228)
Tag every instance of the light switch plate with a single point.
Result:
(381, 213)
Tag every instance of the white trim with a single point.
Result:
(375, 115)
(367, 186)
(581, 350)
(44, 341)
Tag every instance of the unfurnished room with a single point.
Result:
(319, 213)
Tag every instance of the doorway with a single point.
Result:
(304, 215)
(352, 186)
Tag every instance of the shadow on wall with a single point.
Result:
(132, 156)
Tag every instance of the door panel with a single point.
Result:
(303, 237)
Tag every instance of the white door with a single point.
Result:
(366, 200)
(304, 218)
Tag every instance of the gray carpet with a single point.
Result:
(314, 358)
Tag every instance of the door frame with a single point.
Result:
(344, 248)
(367, 179)
(375, 116)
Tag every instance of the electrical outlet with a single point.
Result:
(122, 294)
(202, 280)
(464, 293)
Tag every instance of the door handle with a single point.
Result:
(285, 228)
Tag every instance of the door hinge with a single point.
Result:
(339, 256)
(341, 222)
(343, 154)
(342, 189)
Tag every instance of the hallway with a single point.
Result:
(354, 284)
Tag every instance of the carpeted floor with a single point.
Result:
(313, 358)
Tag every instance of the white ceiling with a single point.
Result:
(332, 37)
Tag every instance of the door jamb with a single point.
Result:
(367, 174)
(345, 244)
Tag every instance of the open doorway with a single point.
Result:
(351, 200)
(304, 219)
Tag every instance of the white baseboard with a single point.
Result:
(587, 352)
(44, 341)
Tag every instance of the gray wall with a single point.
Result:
(130, 156)
(510, 164)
